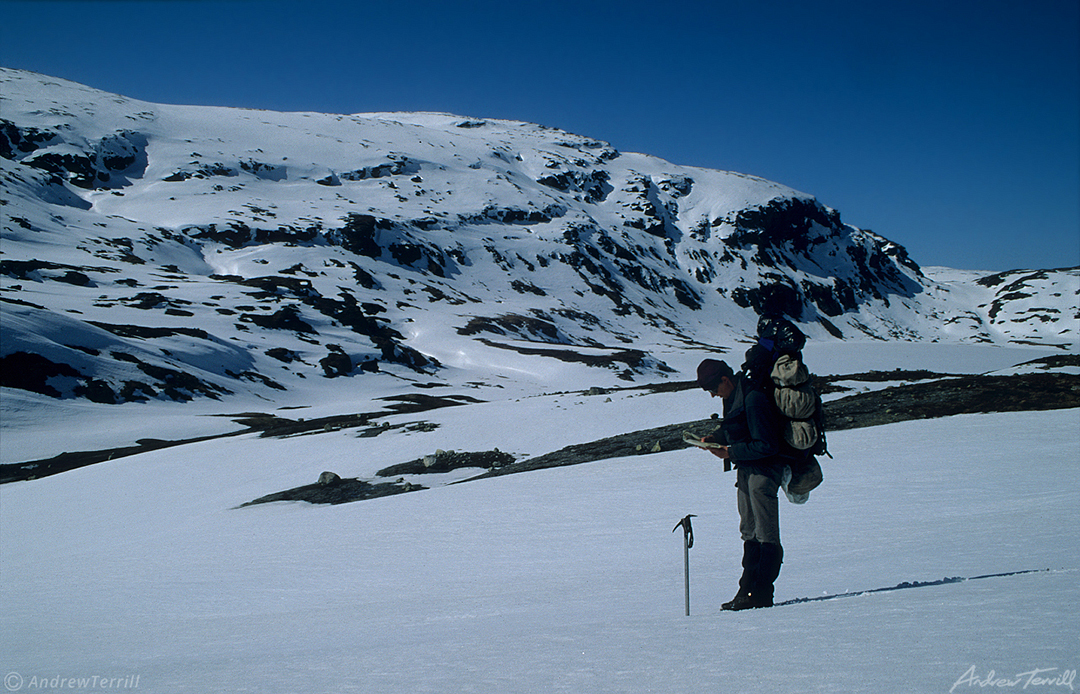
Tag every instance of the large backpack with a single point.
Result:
(777, 363)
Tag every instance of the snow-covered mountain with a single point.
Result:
(155, 252)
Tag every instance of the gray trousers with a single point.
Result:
(759, 509)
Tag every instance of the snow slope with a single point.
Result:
(562, 580)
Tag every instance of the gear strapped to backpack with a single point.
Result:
(797, 401)
(779, 350)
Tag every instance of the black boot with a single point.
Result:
(750, 559)
(761, 566)
(772, 556)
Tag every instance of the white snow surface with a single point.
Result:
(143, 572)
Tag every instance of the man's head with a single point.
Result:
(715, 377)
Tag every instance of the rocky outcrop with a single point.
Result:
(445, 461)
(105, 163)
(338, 491)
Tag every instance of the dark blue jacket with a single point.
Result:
(751, 426)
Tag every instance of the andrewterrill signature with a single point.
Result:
(1039, 677)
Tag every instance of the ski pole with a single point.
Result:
(688, 542)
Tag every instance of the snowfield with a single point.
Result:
(561, 580)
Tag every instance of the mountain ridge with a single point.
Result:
(156, 252)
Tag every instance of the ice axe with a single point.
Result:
(688, 542)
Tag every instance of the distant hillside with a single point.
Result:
(155, 252)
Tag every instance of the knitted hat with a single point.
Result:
(709, 373)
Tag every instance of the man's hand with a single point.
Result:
(721, 452)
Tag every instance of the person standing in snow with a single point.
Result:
(750, 438)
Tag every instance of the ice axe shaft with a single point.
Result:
(688, 542)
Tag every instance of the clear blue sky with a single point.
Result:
(950, 127)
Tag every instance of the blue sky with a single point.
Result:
(951, 128)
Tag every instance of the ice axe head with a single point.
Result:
(688, 530)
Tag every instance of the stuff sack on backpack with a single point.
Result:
(800, 479)
(797, 401)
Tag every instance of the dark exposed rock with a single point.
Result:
(341, 492)
(514, 324)
(513, 215)
(32, 372)
(38, 374)
(770, 299)
(951, 396)
(287, 318)
(360, 234)
(15, 141)
(445, 461)
(106, 164)
(422, 256)
(410, 403)
(38, 270)
(79, 279)
(255, 377)
(96, 390)
(148, 332)
(364, 278)
(17, 472)
(399, 166)
(1013, 286)
(177, 385)
(152, 300)
(275, 286)
(790, 233)
(262, 170)
(1017, 279)
(237, 234)
(685, 295)
(121, 249)
(781, 221)
(137, 391)
(522, 287)
(337, 363)
(657, 440)
(284, 355)
(592, 185)
(629, 359)
(832, 301)
(198, 170)
(78, 168)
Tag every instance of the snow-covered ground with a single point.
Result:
(141, 573)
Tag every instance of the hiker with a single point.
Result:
(750, 435)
